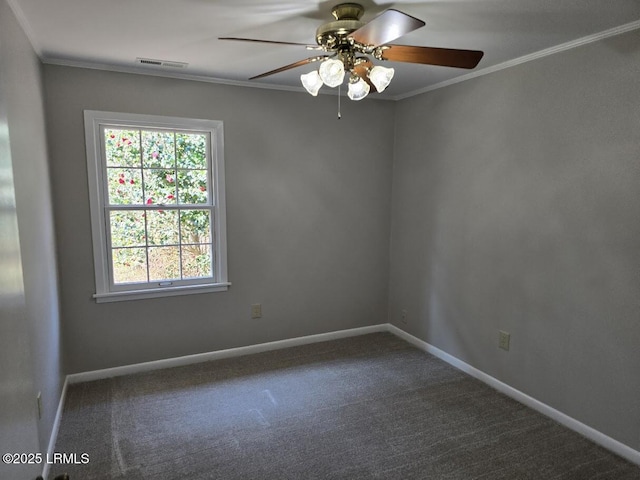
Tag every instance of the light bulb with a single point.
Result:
(358, 89)
(312, 82)
(332, 72)
(381, 77)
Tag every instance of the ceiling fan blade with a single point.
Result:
(292, 65)
(446, 57)
(386, 27)
(264, 41)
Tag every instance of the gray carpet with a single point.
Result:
(369, 407)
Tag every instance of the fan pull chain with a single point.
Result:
(339, 115)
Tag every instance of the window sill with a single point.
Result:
(160, 292)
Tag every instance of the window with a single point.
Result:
(156, 188)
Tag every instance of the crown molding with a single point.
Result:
(159, 72)
(627, 27)
(26, 27)
(240, 83)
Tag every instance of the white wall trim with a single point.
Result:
(592, 434)
(627, 27)
(26, 27)
(158, 72)
(219, 354)
(56, 427)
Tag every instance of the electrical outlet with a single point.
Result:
(256, 310)
(503, 339)
(39, 401)
(403, 316)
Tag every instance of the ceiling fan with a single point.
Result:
(350, 45)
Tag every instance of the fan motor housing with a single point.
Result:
(347, 15)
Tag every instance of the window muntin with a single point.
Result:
(160, 203)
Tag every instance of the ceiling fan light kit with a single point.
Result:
(381, 77)
(351, 45)
(332, 72)
(358, 88)
(312, 82)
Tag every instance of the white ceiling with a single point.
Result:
(113, 33)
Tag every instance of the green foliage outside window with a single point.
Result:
(161, 177)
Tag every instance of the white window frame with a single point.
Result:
(106, 290)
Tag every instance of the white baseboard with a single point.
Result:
(56, 426)
(591, 433)
(216, 355)
(594, 435)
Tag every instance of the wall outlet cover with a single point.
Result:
(503, 339)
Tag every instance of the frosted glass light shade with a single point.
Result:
(332, 72)
(312, 82)
(358, 90)
(381, 77)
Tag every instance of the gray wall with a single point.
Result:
(30, 330)
(308, 199)
(516, 206)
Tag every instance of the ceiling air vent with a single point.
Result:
(160, 63)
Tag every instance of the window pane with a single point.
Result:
(160, 186)
(125, 186)
(196, 261)
(191, 149)
(164, 263)
(129, 265)
(122, 147)
(127, 228)
(158, 150)
(162, 227)
(154, 195)
(192, 187)
(195, 226)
